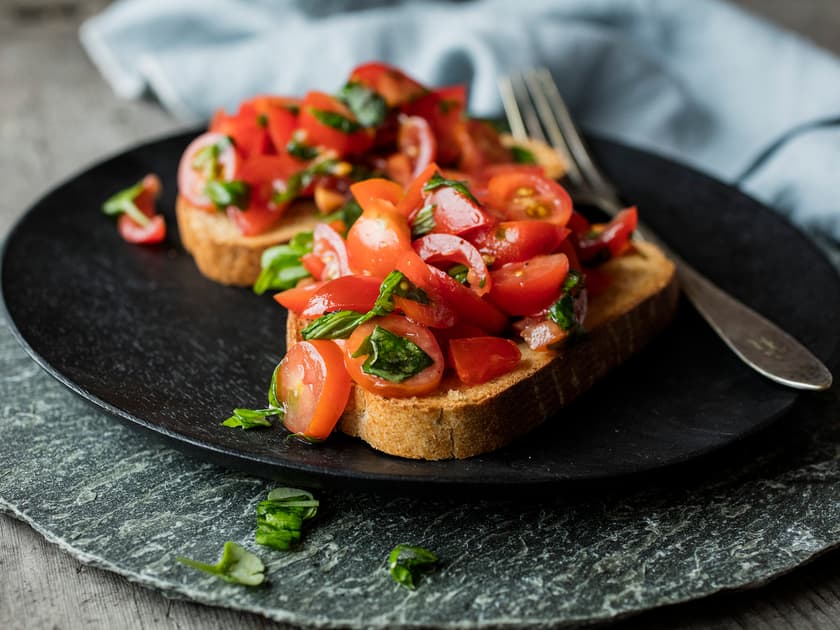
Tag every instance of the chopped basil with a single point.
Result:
(347, 214)
(224, 194)
(237, 565)
(405, 562)
(340, 324)
(424, 222)
(252, 418)
(300, 180)
(367, 106)
(123, 203)
(300, 150)
(459, 272)
(562, 312)
(445, 105)
(292, 107)
(262, 121)
(335, 120)
(391, 357)
(280, 517)
(521, 155)
(439, 181)
(281, 266)
(206, 159)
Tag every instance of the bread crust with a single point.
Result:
(462, 421)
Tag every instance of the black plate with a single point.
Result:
(139, 332)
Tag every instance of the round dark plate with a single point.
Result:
(139, 332)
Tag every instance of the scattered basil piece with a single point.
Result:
(123, 203)
(292, 107)
(391, 357)
(562, 312)
(367, 106)
(237, 565)
(335, 120)
(262, 121)
(281, 266)
(224, 194)
(439, 181)
(347, 214)
(424, 222)
(336, 325)
(445, 105)
(206, 159)
(300, 150)
(459, 272)
(300, 180)
(280, 517)
(405, 562)
(521, 155)
(252, 418)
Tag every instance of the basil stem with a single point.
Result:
(123, 203)
(367, 106)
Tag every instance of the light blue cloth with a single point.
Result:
(697, 80)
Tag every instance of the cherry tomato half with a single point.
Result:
(194, 172)
(296, 298)
(529, 196)
(353, 293)
(612, 239)
(434, 248)
(422, 383)
(528, 287)
(377, 240)
(515, 241)
(331, 250)
(313, 385)
(417, 143)
(480, 359)
(370, 192)
(443, 109)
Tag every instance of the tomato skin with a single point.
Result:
(516, 241)
(331, 250)
(377, 240)
(296, 298)
(422, 383)
(320, 134)
(528, 287)
(456, 214)
(529, 196)
(314, 265)
(450, 248)
(354, 293)
(370, 192)
(613, 239)
(131, 232)
(191, 182)
(480, 359)
(433, 315)
(412, 200)
(314, 387)
(417, 142)
(390, 83)
(250, 136)
(443, 109)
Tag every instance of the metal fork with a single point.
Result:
(535, 109)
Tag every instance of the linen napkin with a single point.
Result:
(698, 80)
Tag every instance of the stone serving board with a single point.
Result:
(123, 501)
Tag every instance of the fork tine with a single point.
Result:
(556, 111)
(525, 105)
(512, 112)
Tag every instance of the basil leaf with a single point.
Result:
(335, 120)
(252, 418)
(439, 181)
(280, 517)
(392, 357)
(347, 214)
(459, 272)
(300, 180)
(262, 121)
(300, 150)
(206, 159)
(281, 264)
(367, 106)
(237, 565)
(123, 203)
(424, 222)
(562, 312)
(337, 325)
(405, 562)
(223, 194)
(521, 155)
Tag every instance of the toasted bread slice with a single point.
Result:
(461, 420)
(223, 254)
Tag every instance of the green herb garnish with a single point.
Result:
(300, 180)
(300, 150)
(347, 214)
(281, 266)
(237, 565)
(335, 120)
(521, 155)
(280, 517)
(262, 121)
(367, 106)
(405, 562)
(391, 357)
(562, 312)
(206, 159)
(123, 203)
(224, 194)
(251, 418)
(459, 272)
(424, 222)
(439, 181)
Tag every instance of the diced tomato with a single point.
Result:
(153, 232)
(443, 109)
(454, 213)
(417, 149)
(318, 133)
(370, 192)
(279, 118)
(540, 333)
(314, 265)
(422, 383)
(434, 314)
(479, 145)
(264, 174)
(390, 83)
(377, 240)
(331, 250)
(515, 241)
(482, 178)
(612, 239)
(313, 385)
(248, 128)
(296, 298)
(412, 200)
(528, 287)
(193, 174)
(529, 196)
(353, 293)
(330, 193)
(480, 359)
(434, 248)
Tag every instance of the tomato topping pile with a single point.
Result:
(253, 163)
(134, 208)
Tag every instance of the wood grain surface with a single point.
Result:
(56, 115)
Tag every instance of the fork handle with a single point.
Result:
(758, 342)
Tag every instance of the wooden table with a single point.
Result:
(57, 114)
